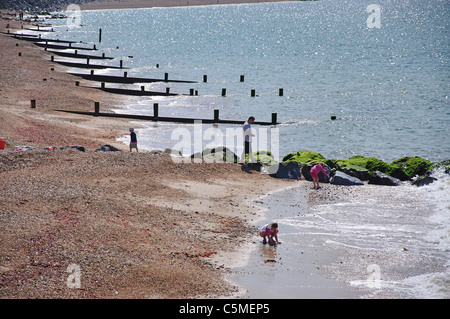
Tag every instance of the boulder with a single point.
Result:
(359, 173)
(340, 178)
(253, 166)
(424, 180)
(218, 154)
(306, 168)
(79, 148)
(107, 148)
(288, 170)
(379, 178)
(413, 166)
(364, 167)
(304, 156)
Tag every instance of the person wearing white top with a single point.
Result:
(248, 139)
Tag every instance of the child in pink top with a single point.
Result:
(315, 170)
(271, 232)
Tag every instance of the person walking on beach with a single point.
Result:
(315, 170)
(133, 141)
(248, 139)
(269, 231)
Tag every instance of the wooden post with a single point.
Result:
(33, 104)
(166, 77)
(121, 63)
(191, 92)
(77, 83)
(167, 91)
(96, 108)
(142, 88)
(103, 85)
(274, 118)
(155, 111)
(242, 78)
(125, 74)
(87, 61)
(253, 93)
(205, 78)
(100, 35)
(216, 115)
(52, 58)
(280, 92)
(224, 92)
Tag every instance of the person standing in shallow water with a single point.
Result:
(133, 140)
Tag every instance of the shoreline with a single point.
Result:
(217, 211)
(79, 201)
(287, 271)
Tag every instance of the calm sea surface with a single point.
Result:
(388, 87)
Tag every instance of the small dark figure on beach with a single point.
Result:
(315, 170)
(269, 231)
(133, 141)
(248, 140)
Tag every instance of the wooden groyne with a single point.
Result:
(156, 118)
(125, 79)
(63, 47)
(76, 55)
(141, 92)
(36, 38)
(87, 65)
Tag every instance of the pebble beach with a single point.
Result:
(135, 225)
(83, 218)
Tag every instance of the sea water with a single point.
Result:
(379, 241)
(386, 84)
(380, 67)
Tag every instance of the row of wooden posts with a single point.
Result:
(192, 91)
(156, 105)
(216, 115)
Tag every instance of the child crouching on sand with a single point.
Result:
(270, 231)
(314, 172)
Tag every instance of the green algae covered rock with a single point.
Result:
(413, 166)
(364, 167)
(304, 156)
(265, 157)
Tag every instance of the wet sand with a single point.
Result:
(293, 269)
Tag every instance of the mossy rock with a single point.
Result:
(413, 166)
(304, 156)
(362, 167)
(265, 157)
(218, 154)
